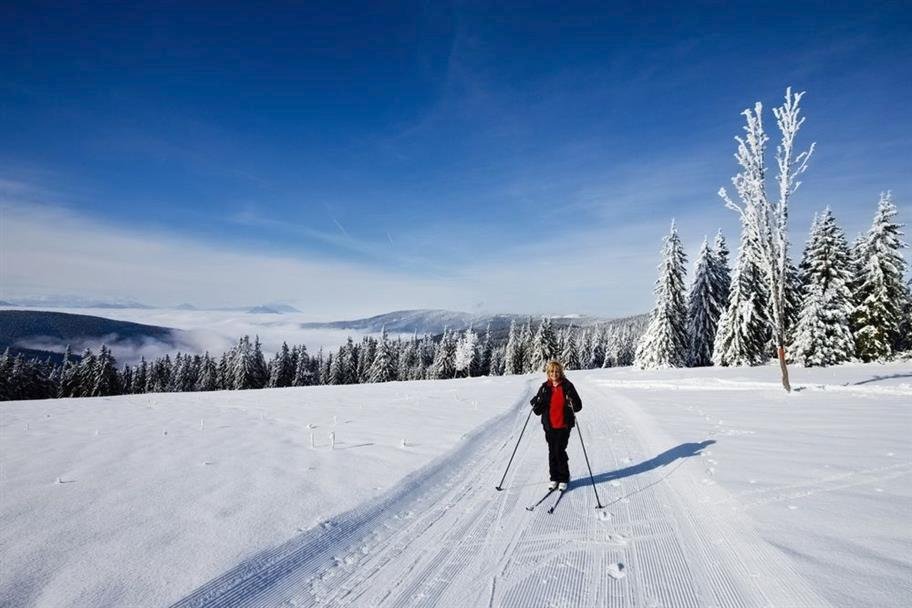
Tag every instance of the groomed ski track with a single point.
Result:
(445, 537)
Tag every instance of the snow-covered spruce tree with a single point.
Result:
(570, 356)
(365, 357)
(85, 375)
(383, 366)
(823, 335)
(487, 351)
(350, 355)
(105, 381)
(721, 276)
(743, 329)
(307, 370)
(513, 353)
(140, 376)
(6, 372)
(905, 325)
(336, 374)
(498, 361)
(466, 352)
(69, 375)
(584, 348)
(665, 342)
(768, 224)
(525, 340)
(260, 375)
(281, 372)
(208, 376)
(881, 293)
(792, 308)
(444, 365)
(242, 373)
(703, 310)
(408, 359)
(597, 350)
(544, 346)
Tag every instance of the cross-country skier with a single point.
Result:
(556, 402)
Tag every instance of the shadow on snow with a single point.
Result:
(681, 452)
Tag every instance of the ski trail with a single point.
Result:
(447, 538)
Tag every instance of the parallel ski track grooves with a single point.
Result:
(258, 580)
(448, 539)
(734, 567)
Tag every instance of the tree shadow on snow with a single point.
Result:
(879, 378)
(681, 452)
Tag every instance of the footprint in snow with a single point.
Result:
(604, 516)
(617, 539)
(616, 571)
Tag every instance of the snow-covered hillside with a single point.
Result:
(720, 489)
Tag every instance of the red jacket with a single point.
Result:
(541, 403)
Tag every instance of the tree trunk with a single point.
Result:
(785, 371)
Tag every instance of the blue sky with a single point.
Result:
(464, 156)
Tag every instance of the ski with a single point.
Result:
(556, 502)
(541, 500)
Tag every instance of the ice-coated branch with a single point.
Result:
(729, 203)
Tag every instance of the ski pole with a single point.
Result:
(498, 486)
(597, 499)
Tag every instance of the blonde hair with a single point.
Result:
(552, 365)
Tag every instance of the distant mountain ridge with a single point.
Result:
(433, 321)
(46, 334)
(83, 302)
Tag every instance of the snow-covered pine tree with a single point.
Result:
(444, 365)
(281, 369)
(513, 353)
(743, 329)
(881, 292)
(498, 361)
(597, 351)
(324, 364)
(570, 356)
(544, 346)
(766, 223)
(304, 373)
(140, 377)
(665, 342)
(792, 305)
(105, 382)
(208, 376)
(180, 379)
(721, 277)
(69, 378)
(466, 352)
(905, 325)
(383, 367)
(365, 357)
(584, 348)
(525, 341)
(486, 352)
(242, 375)
(6, 373)
(259, 373)
(823, 335)
(85, 375)
(408, 359)
(703, 310)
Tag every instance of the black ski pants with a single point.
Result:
(557, 454)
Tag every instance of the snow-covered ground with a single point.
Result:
(719, 488)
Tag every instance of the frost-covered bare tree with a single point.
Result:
(765, 220)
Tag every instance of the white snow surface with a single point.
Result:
(719, 489)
